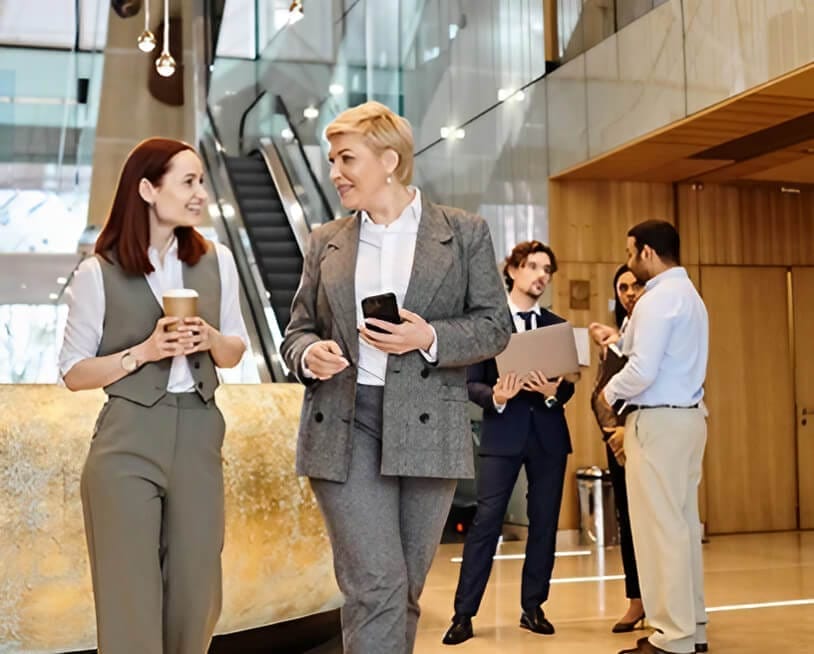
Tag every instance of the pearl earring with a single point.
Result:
(389, 179)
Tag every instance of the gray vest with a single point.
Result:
(131, 311)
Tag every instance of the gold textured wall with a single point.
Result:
(277, 557)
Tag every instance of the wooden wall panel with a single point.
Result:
(588, 220)
(746, 225)
(751, 484)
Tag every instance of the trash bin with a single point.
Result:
(597, 508)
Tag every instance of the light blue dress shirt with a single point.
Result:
(667, 345)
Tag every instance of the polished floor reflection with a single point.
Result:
(742, 573)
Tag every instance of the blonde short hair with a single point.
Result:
(382, 129)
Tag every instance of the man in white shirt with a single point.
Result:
(667, 345)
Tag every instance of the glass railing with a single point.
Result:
(49, 100)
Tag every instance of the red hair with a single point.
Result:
(126, 232)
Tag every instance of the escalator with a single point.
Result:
(276, 249)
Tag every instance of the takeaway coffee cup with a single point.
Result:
(180, 303)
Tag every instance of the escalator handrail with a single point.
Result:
(323, 198)
(283, 110)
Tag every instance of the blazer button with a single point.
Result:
(318, 417)
(424, 418)
(425, 373)
(200, 384)
(197, 364)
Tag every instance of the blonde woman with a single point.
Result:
(384, 432)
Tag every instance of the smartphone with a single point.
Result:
(384, 307)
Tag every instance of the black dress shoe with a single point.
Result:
(536, 622)
(644, 646)
(701, 647)
(459, 631)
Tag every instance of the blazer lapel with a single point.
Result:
(432, 259)
(338, 269)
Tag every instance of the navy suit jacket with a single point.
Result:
(525, 416)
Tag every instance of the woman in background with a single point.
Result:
(627, 290)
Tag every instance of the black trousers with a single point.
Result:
(625, 535)
(498, 475)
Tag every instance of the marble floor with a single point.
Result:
(742, 573)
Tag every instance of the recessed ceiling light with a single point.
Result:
(62, 280)
(336, 89)
(310, 112)
(52, 296)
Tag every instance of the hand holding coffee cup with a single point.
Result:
(180, 303)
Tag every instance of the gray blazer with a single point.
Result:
(455, 286)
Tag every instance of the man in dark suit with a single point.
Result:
(523, 425)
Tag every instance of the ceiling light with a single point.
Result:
(789, 189)
(336, 89)
(287, 134)
(310, 112)
(453, 31)
(62, 281)
(295, 12)
(452, 133)
(165, 64)
(52, 296)
(146, 40)
(508, 94)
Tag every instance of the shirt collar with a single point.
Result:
(676, 272)
(515, 309)
(411, 215)
(172, 250)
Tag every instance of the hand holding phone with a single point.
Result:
(383, 307)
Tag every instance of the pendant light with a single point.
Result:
(165, 64)
(146, 40)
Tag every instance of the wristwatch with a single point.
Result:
(551, 402)
(129, 362)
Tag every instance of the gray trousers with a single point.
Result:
(384, 532)
(152, 495)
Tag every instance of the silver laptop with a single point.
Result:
(552, 349)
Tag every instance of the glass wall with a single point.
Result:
(582, 24)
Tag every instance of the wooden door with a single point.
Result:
(803, 301)
(751, 449)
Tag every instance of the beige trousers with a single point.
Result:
(152, 495)
(664, 449)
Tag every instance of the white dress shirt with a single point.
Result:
(86, 309)
(667, 345)
(384, 264)
(520, 327)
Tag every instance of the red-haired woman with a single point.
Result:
(152, 485)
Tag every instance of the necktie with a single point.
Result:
(526, 316)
